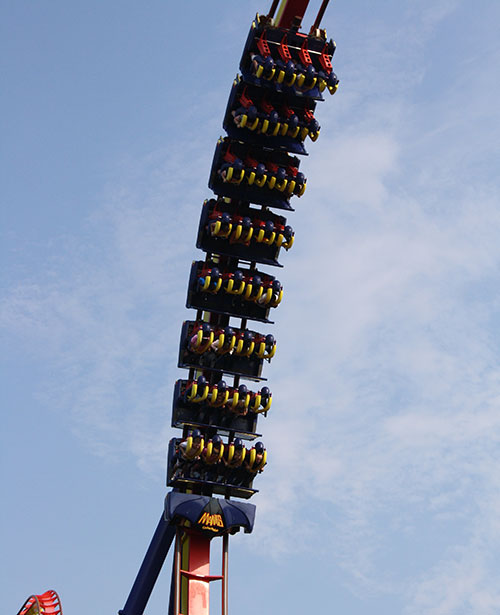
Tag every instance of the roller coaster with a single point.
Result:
(268, 120)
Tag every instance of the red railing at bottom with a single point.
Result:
(42, 604)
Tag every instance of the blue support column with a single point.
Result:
(150, 569)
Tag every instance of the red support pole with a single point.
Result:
(288, 10)
(199, 575)
(319, 16)
(192, 574)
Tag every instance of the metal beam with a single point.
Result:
(289, 10)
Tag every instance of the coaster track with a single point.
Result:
(42, 604)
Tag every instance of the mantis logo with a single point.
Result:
(211, 522)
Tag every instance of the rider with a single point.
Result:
(188, 451)
(253, 464)
(212, 459)
(232, 463)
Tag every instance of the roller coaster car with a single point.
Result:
(216, 406)
(248, 173)
(288, 61)
(244, 239)
(205, 479)
(233, 290)
(262, 117)
(209, 348)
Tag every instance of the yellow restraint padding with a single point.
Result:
(267, 297)
(248, 290)
(213, 396)
(278, 299)
(287, 245)
(227, 232)
(230, 287)
(333, 89)
(200, 448)
(240, 289)
(229, 174)
(279, 240)
(251, 461)
(239, 347)
(248, 236)
(199, 337)
(314, 135)
(256, 402)
(269, 402)
(209, 451)
(220, 344)
(291, 81)
(230, 453)
(217, 286)
(243, 121)
(272, 353)
(216, 228)
(259, 294)
(235, 400)
(260, 236)
(251, 178)
(300, 80)
(283, 129)
(276, 129)
(189, 446)
(281, 185)
(270, 239)
(247, 401)
(271, 75)
(314, 81)
(203, 348)
(236, 233)
(304, 131)
(206, 284)
(259, 71)
(302, 190)
(265, 126)
(255, 124)
(291, 186)
(295, 132)
(280, 77)
(260, 182)
(223, 401)
(267, 406)
(232, 343)
(246, 353)
(263, 462)
(321, 84)
(203, 396)
(271, 181)
(192, 391)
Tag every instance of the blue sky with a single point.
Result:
(382, 491)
